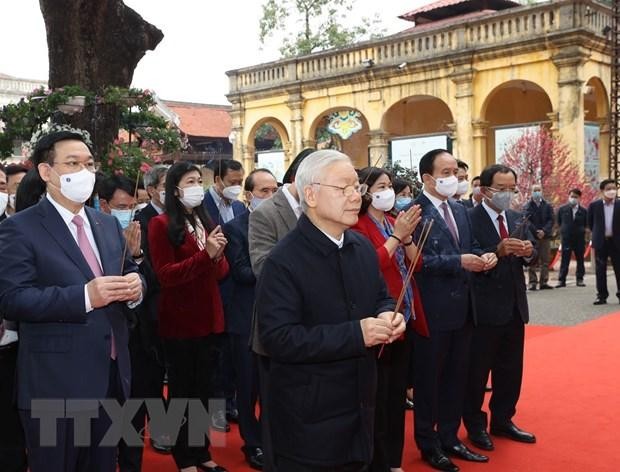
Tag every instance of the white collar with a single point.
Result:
(157, 209)
(292, 201)
(337, 242)
(216, 197)
(434, 200)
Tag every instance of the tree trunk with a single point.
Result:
(94, 44)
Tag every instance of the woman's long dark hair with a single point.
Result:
(175, 210)
(368, 176)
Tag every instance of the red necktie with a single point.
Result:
(503, 232)
(91, 258)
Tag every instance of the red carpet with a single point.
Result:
(569, 400)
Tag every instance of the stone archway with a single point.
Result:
(513, 104)
(345, 129)
(268, 135)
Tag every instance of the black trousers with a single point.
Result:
(263, 382)
(609, 250)
(287, 465)
(392, 379)
(12, 443)
(147, 381)
(66, 456)
(497, 350)
(440, 378)
(246, 375)
(578, 247)
(189, 377)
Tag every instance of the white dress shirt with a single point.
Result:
(157, 209)
(337, 242)
(292, 201)
(224, 206)
(608, 208)
(437, 204)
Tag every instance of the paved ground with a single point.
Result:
(571, 305)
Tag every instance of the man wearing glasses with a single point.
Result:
(501, 306)
(322, 307)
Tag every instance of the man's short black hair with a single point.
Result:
(290, 173)
(249, 180)
(462, 165)
(428, 160)
(475, 178)
(486, 178)
(576, 191)
(43, 151)
(605, 182)
(220, 167)
(109, 185)
(13, 169)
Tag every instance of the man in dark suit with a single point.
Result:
(145, 350)
(440, 361)
(463, 185)
(319, 331)
(502, 311)
(604, 222)
(540, 216)
(572, 220)
(221, 199)
(65, 281)
(259, 186)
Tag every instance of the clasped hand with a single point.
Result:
(385, 328)
(216, 243)
(474, 263)
(114, 288)
(513, 246)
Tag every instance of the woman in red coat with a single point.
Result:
(187, 256)
(392, 237)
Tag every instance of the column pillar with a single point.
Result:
(463, 77)
(479, 158)
(570, 97)
(248, 153)
(236, 136)
(377, 150)
(295, 104)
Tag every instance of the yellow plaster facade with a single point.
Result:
(544, 63)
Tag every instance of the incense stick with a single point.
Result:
(426, 229)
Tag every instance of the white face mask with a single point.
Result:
(78, 186)
(4, 199)
(192, 196)
(573, 201)
(384, 200)
(446, 186)
(162, 197)
(611, 193)
(232, 192)
(462, 187)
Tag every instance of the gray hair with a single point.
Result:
(312, 169)
(154, 175)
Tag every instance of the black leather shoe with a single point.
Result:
(533, 287)
(162, 449)
(600, 301)
(461, 451)
(408, 404)
(219, 423)
(438, 460)
(560, 285)
(510, 431)
(580, 283)
(217, 468)
(254, 457)
(481, 440)
(546, 287)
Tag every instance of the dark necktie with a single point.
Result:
(451, 227)
(503, 232)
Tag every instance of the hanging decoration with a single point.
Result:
(344, 123)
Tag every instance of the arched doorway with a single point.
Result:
(416, 125)
(345, 129)
(268, 146)
(511, 108)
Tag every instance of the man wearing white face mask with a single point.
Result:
(604, 222)
(502, 311)
(221, 200)
(65, 281)
(463, 185)
(440, 362)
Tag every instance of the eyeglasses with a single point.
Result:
(75, 165)
(349, 190)
(495, 190)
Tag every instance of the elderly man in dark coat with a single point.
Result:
(322, 307)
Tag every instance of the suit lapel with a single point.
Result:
(284, 208)
(55, 226)
(490, 229)
(96, 227)
(437, 218)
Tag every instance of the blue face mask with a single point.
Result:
(402, 203)
(537, 195)
(255, 202)
(124, 217)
